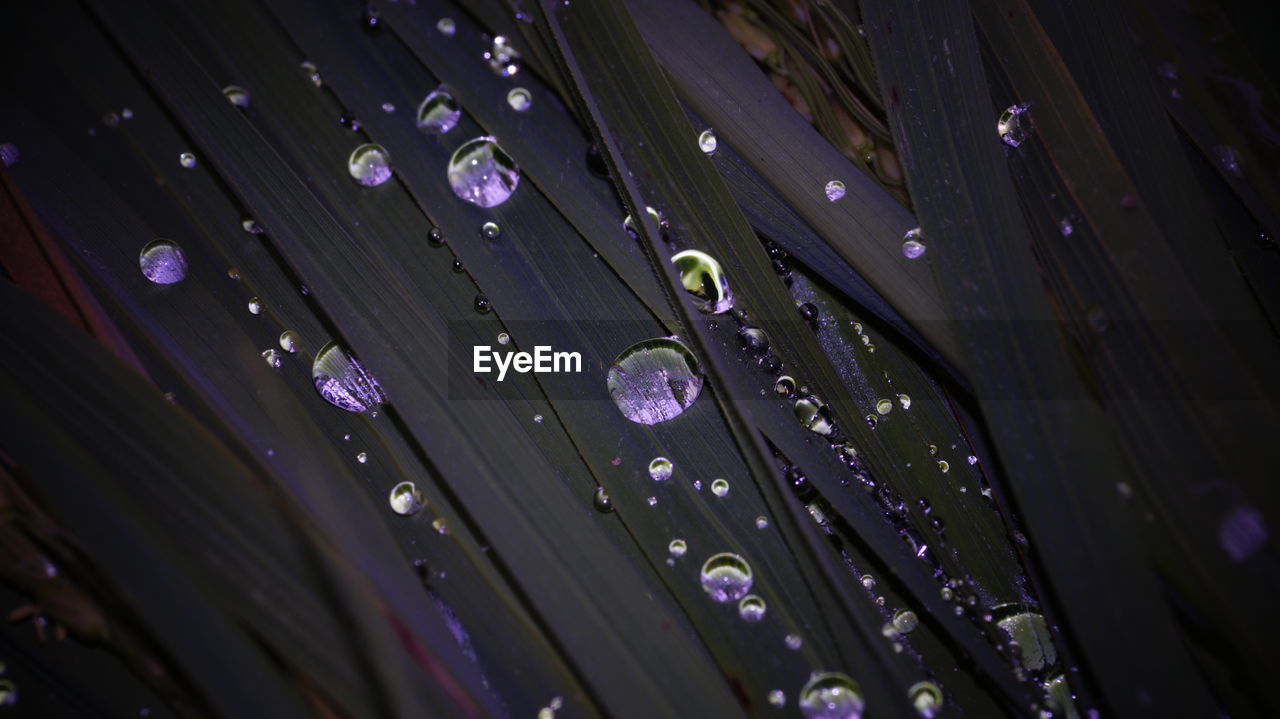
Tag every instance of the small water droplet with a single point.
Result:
(884, 406)
(439, 112)
(1228, 158)
(446, 26)
(249, 225)
(1065, 227)
(654, 380)
(481, 173)
(777, 698)
(362, 458)
(369, 164)
(973, 460)
(751, 608)
(8, 693)
(1013, 125)
(519, 99)
(601, 501)
(503, 59)
(677, 547)
(343, 381)
(441, 526)
(926, 697)
(163, 262)
(726, 577)
(1242, 532)
(720, 487)
(187, 160)
(831, 695)
(10, 154)
(272, 357)
(406, 499)
(707, 141)
(537, 419)
(834, 190)
(503, 338)
(312, 73)
(490, 231)
(761, 522)
(814, 415)
(912, 246)
(793, 641)
(944, 466)
(482, 304)
(660, 469)
(653, 501)
(904, 401)
(703, 278)
(236, 95)
(255, 306)
(785, 387)
(905, 621)
(290, 341)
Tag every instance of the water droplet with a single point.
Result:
(457, 266)
(388, 107)
(761, 522)
(905, 621)
(944, 466)
(9, 154)
(973, 460)
(503, 338)
(813, 415)
(707, 141)
(1011, 125)
(835, 190)
(482, 304)
(537, 419)
(163, 262)
(751, 608)
(831, 695)
(777, 698)
(1065, 227)
(406, 499)
(236, 95)
(1030, 633)
(653, 501)
(677, 547)
(912, 247)
(654, 380)
(312, 72)
(726, 577)
(753, 339)
(720, 487)
(187, 160)
(503, 59)
(793, 641)
(660, 469)
(703, 278)
(519, 99)
(1242, 532)
(8, 693)
(343, 381)
(369, 164)
(126, 113)
(481, 173)
(629, 224)
(272, 357)
(362, 458)
(249, 225)
(446, 26)
(290, 341)
(441, 526)
(255, 306)
(785, 386)
(439, 112)
(1228, 158)
(904, 401)
(490, 231)
(884, 406)
(926, 697)
(601, 501)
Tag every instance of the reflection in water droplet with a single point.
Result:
(830, 695)
(519, 99)
(503, 59)
(703, 278)
(707, 141)
(490, 231)
(813, 415)
(912, 245)
(751, 608)
(1030, 633)
(601, 501)
(481, 173)
(406, 499)
(660, 469)
(236, 95)
(677, 547)
(726, 577)
(369, 164)
(446, 26)
(1012, 125)
(290, 341)
(439, 112)
(187, 160)
(343, 381)
(777, 698)
(654, 380)
(272, 357)
(163, 262)
(255, 306)
(720, 487)
(926, 697)
(834, 190)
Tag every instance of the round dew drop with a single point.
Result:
(406, 499)
(163, 262)
(482, 174)
(519, 99)
(490, 231)
(187, 160)
(1012, 124)
(677, 547)
(912, 245)
(343, 382)
(290, 341)
(705, 280)
(654, 381)
(834, 190)
(236, 95)
(726, 577)
(751, 608)
(438, 112)
(369, 165)
(707, 141)
(660, 469)
(272, 357)
(446, 26)
(831, 695)
(720, 487)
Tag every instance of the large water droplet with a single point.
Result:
(726, 577)
(831, 695)
(905, 621)
(163, 262)
(236, 95)
(707, 141)
(406, 499)
(1030, 633)
(912, 245)
(660, 469)
(503, 58)
(654, 380)
(703, 277)
(370, 165)
(343, 381)
(519, 99)
(751, 608)
(1012, 125)
(813, 415)
(439, 112)
(481, 173)
(834, 190)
